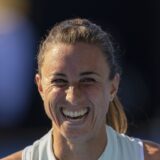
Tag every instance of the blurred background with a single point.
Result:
(24, 23)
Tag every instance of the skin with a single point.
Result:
(15, 156)
(64, 84)
(76, 86)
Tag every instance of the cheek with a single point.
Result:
(99, 94)
(99, 97)
(50, 102)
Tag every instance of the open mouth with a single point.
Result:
(74, 115)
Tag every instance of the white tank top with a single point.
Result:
(119, 147)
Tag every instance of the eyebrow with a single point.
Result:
(81, 74)
(59, 74)
(89, 73)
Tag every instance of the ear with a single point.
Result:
(114, 86)
(38, 81)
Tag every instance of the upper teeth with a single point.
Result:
(74, 113)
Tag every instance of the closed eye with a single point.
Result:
(59, 82)
(87, 80)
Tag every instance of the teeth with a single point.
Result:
(74, 114)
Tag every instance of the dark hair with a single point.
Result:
(82, 30)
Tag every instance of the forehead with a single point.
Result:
(79, 56)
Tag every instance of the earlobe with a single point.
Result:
(39, 84)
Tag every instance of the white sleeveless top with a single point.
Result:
(119, 147)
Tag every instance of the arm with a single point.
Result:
(151, 150)
(14, 156)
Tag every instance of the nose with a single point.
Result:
(74, 95)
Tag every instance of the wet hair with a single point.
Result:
(77, 30)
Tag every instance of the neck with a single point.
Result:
(65, 149)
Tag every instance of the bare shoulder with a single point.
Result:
(14, 156)
(151, 150)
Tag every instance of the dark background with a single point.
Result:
(135, 27)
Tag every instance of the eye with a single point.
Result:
(59, 82)
(88, 80)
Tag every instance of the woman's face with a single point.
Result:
(76, 90)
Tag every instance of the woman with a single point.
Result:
(78, 78)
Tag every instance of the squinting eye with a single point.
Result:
(87, 80)
(59, 82)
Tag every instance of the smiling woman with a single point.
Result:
(71, 32)
(78, 79)
(84, 88)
